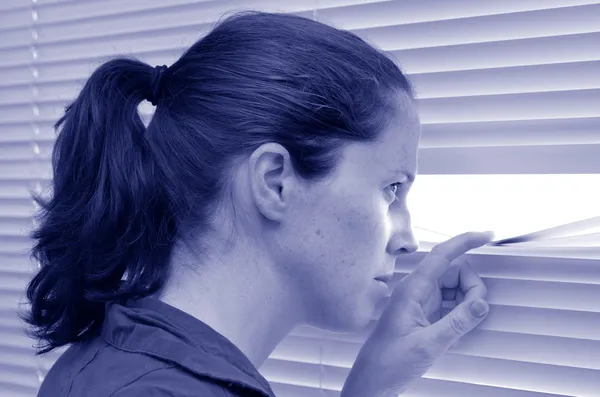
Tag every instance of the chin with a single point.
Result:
(350, 319)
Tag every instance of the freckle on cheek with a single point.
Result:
(318, 232)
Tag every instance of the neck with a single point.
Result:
(236, 293)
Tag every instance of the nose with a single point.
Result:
(411, 245)
(403, 242)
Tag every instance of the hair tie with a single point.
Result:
(157, 76)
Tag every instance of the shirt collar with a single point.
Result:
(152, 327)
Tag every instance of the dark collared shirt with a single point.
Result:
(148, 348)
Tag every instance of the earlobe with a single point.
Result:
(269, 170)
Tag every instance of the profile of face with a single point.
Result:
(345, 231)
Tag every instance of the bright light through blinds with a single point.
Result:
(510, 205)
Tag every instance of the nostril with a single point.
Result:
(409, 249)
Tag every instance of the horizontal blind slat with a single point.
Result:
(15, 245)
(521, 106)
(453, 367)
(13, 151)
(15, 38)
(541, 294)
(511, 133)
(547, 159)
(19, 265)
(12, 225)
(513, 26)
(25, 170)
(509, 53)
(537, 349)
(513, 80)
(400, 12)
(9, 5)
(14, 18)
(511, 266)
(420, 388)
(501, 318)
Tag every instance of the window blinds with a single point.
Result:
(505, 88)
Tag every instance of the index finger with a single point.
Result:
(437, 262)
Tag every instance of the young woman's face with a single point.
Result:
(348, 230)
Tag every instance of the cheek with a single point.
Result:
(362, 230)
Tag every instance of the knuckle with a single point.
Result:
(484, 289)
(458, 325)
(423, 350)
(461, 262)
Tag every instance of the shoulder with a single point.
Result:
(103, 371)
(172, 381)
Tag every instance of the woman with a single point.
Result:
(269, 190)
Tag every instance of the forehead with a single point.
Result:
(393, 152)
(398, 143)
(396, 149)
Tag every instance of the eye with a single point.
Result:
(393, 188)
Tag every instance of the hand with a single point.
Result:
(412, 332)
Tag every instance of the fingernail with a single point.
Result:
(479, 307)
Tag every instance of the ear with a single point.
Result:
(271, 177)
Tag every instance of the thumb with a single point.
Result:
(459, 322)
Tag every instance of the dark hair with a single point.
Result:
(123, 193)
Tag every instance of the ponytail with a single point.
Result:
(108, 216)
